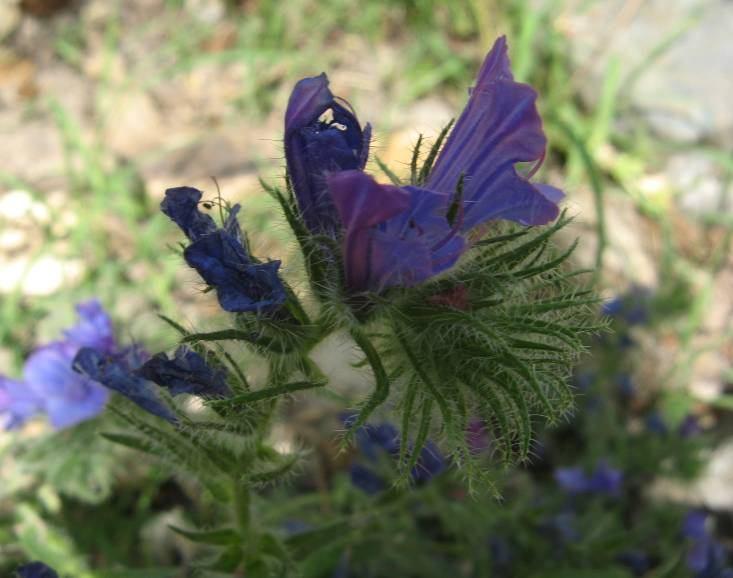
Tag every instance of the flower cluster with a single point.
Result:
(402, 235)
(604, 480)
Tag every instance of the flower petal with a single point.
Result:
(115, 376)
(240, 285)
(186, 372)
(67, 397)
(181, 206)
(315, 147)
(499, 127)
(94, 328)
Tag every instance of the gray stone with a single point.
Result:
(675, 56)
(9, 17)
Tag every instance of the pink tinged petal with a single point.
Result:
(362, 202)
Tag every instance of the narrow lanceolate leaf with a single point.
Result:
(433, 154)
(382, 386)
(218, 537)
(262, 341)
(267, 393)
(414, 161)
(387, 171)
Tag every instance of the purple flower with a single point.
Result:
(67, 397)
(401, 236)
(706, 556)
(186, 372)
(376, 440)
(430, 463)
(115, 374)
(631, 307)
(17, 403)
(36, 570)
(50, 385)
(316, 146)
(690, 427)
(604, 480)
(499, 128)
(221, 257)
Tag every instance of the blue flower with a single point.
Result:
(221, 257)
(115, 374)
(604, 480)
(632, 307)
(316, 146)
(375, 441)
(366, 479)
(187, 372)
(36, 570)
(17, 403)
(635, 560)
(50, 385)
(706, 557)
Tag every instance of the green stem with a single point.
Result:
(242, 507)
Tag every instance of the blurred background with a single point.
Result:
(104, 104)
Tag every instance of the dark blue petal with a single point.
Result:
(606, 480)
(187, 372)
(240, 285)
(373, 439)
(498, 128)
(181, 205)
(366, 480)
(637, 561)
(315, 147)
(113, 374)
(36, 570)
(689, 427)
(430, 464)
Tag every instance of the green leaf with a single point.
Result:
(218, 537)
(304, 543)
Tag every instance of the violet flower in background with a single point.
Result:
(36, 570)
(17, 403)
(383, 439)
(50, 385)
(706, 557)
(316, 147)
(604, 480)
(221, 257)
